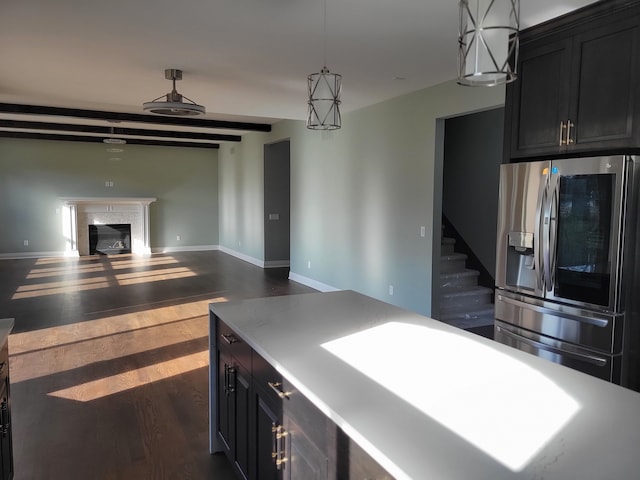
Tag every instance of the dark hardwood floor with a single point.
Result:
(109, 362)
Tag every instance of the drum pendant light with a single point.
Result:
(324, 90)
(488, 42)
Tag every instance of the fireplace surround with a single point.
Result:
(80, 212)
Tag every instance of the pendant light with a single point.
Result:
(324, 94)
(488, 42)
(174, 104)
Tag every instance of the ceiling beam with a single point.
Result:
(84, 138)
(113, 131)
(131, 117)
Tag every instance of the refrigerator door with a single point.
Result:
(523, 192)
(606, 367)
(593, 330)
(585, 218)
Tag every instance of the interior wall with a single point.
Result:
(277, 173)
(471, 176)
(359, 195)
(34, 174)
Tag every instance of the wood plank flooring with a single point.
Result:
(109, 362)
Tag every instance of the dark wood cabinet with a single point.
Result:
(234, 398)
(577, 89)
(271, 431)
(6, 446)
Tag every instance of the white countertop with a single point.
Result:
(429, 401)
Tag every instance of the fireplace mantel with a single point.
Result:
(79, 212)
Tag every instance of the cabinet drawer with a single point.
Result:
(229, 342)
(267, 379)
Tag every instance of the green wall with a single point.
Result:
(34, 174)
(359, 195)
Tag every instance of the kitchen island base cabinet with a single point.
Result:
(271, 431)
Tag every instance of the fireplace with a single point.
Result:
(110, 239)
(80, 213)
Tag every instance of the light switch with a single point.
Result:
(274, 216)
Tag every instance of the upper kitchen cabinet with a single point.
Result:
(578, 86)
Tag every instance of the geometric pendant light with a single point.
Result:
(488, 42)
(323, 90)
(174, 104)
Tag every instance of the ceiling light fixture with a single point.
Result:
(324, 94)
(174, 104)
(488, 42)
(114, 140)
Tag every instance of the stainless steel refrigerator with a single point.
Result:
(566, 268)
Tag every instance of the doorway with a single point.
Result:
(277, 208)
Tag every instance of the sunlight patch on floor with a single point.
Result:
(89, 391)
(57, 349)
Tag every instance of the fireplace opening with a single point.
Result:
(109, 239)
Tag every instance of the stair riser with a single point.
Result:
(471, 301)
(447, 249)
(450, 266)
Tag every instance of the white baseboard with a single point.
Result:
(276, 263)
(254, 261)
(186, 248)
(309, 282)
(21, 255)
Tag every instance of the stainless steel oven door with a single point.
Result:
(591, 329)
(605, 367)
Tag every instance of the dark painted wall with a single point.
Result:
(276, 202)
(471, 175)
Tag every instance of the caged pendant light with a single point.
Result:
(324, 94)
(488, 42)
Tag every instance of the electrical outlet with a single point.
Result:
(391, 290)
(178, 238)
(423, 231)
(25, 243)
(309, 264)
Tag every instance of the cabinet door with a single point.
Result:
(604, 87)
(304, 458)
(234, 394)
(225, 404)
(538, 101)
(268, 420)
(6, 455)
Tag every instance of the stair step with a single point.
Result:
(454, 262)
(468, 319)
(464, 278)
(467, 297)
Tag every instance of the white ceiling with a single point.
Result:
(244, 60)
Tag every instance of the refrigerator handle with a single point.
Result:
(537, 244)
(546, 228)
(553, 236)
(583, 357)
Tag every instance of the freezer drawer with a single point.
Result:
(593, 330)
(606, 367)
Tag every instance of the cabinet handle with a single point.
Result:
(569, 125)
(275, 386)
(278, 453)
(229, 338)
(563, 127)
(228, 386)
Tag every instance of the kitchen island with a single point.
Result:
(420, 398)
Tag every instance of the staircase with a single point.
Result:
(463, 303)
